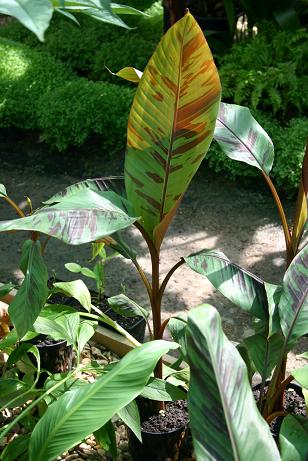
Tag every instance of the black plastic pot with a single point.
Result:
(164, 446)
(56, 357)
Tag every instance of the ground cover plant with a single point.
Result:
(163, 154)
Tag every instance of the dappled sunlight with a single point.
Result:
(16, 59)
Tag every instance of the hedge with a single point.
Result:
(70, 114)
(25, 75)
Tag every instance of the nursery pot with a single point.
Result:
(56, 356)
(161, 445)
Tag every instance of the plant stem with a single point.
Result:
(162, 328)
(286, 230)
(14, 205)
(270, 418)
(143, 277)
(168, 276)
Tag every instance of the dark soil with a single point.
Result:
(174, 417)
(46, 341)
(294, 403)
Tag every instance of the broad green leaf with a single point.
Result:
(301, 213)
(158, 389)
(122, 305)
(125, 9)
(64, 327)
(264, 352)
(2, 190)
(73, 267)
(84, 410)
(130, 416)
(241, 287)
(85, 332)
(224, 420)
(301, 376)
(77, 290)
(293, 438)
(128, 73)
(31, 296)
(81, 218)
(105, 436)
(242, 138)
(293, 305)
(33, 14)
(16, 448)
(171, 124)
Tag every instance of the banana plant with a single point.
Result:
(170, 128)
(36, 14)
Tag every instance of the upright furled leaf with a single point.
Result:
(238, 285)
(80, 218)
(224, 419)
(293, 305)
(301, 213)
(32, 295)
(242, 138)
(171, 124)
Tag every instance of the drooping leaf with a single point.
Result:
(130, 416)
(128, 73)
(11, 388)
(293, 305)
(125, 306)
(33, 14)
(126, 9)
(105, 436)
(242, 138)
(158, 389)
(81, 218)
(31, 296)
(241, 287)
(171, 124)
(64, 327)
(60, 428)
(224, 420)
(85, 332)
(264, 352)
(301, 213)
(2, 190)
(77, 290)
(301, 376)
(293, 438)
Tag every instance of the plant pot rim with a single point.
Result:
(178, 429)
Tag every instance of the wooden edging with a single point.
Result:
(113, 341)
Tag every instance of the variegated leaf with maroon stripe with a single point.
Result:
(171, 124)
(242, 138)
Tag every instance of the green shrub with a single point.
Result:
(25, 75)
(128, 50)
(269, 72)
(289, 143)
(70, 114)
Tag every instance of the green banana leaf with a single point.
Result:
(81, 218)
(264, 352)
(224, 418)
(126, 307)
(171, 125)
(84, 410)
(238, 285)
(130, 416)
(301, 376)
(242, 138)
(32, 295)
(293, 438)
(293, 305)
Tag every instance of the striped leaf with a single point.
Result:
(241, 287)
(224, 419)
(80, 218)
(301, 213)
(242, 138)
(171, 124)
(83, 410)
(264, 352)
(293, 305)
